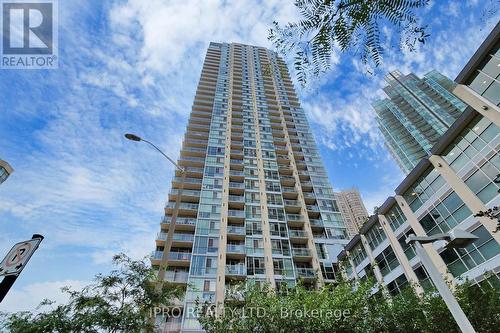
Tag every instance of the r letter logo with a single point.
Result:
(29, 34)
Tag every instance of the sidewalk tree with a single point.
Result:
(346, 25)
(121, 301)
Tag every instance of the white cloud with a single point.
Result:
(29, 297)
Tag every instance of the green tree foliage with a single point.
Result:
(355, 25)
(121, 301)
(351, 308)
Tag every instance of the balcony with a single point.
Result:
(292, 206)
(236, 164)
(236, 201)
(301, 253)
(188, 161)
(287, 180)
(236, 232)
(195, 142)
(295, 220)
(236, 215)
(185, 208)
(298, 236)
(316, 223)
(182, 223)
(182, 239)
(189, 183)
(235, 250)
(305, 273)
(193, 151)
(179, 258)
(176, 276)
(236, 174)
(237, 271)
(237, 188)
(186, 195)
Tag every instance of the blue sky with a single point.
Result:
(133, 66)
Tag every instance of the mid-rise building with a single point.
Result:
(415, 114)
(444, 191)
(5, 171)
(353, 210)
(256, 205)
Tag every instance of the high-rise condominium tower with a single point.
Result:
(257, 205)
(353, 210)
(415, 114)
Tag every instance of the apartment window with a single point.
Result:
(423, 278)
(281, 247)
(375, 236)
(387, 261)
(253, 212)
(483, 182)
(395, 217)
(358, 254)
(460, 260)
(407, 248)
(445, 215)
(423, 189)
(278, 229)
(253, 228)
(255, 266)
(276, 214)
(274, 199)
(327, 270)
(397, 285)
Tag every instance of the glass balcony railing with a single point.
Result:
(157, 255)
(183, 237)
(313, 208)
(176, 276)
(180, 220)
(294, 217)
(234, 248)
(179, 256)
(161, 236)
(236, 270)
(236, 198)
(192, 193)
(301, 252)
(297, 233)
(236, 213)
(291, 202)
(316, 222)
(305, 272)
(236, 173)
(183, 205)
(288, 189)
(235, 230)
(237, 185)
(188, 180)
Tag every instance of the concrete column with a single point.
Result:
(465, 193)
(266, 233)
(478, 103)
(221, 257)
(352, 265)
(419, 231)
(369, 253)
(400, 255)
(310, 238)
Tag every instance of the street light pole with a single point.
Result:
(456, 238)
(173, 220)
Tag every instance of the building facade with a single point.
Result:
(444, 191)
(5, 171)
(353, 210)
(256, 204)
(415, 114)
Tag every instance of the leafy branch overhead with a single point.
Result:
(347, 25)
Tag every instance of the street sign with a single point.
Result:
(18, 257)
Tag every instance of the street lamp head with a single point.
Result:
(460, 238)
(132, 137)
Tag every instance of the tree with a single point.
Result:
(351, 307)
(355, 25)
(121, 301)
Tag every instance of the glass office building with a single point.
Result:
(256, 203)
(415, 114)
